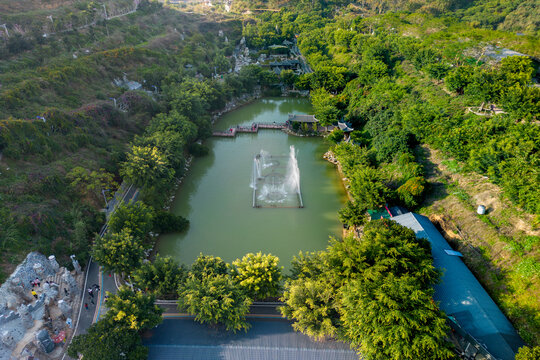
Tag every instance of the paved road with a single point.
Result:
(94, 275)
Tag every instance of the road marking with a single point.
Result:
(98, 305)
(80, 308)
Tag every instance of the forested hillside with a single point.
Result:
(506, 15)
(96, 93)
(417, 78)
(63, 138)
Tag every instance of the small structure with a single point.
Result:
(287, 43)
(276, 181)
(44, 341)
(294, 121)
(125, 82)
(386, 212)
(345, 127)
(288, 64)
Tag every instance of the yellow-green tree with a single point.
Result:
(117, 335)
(137, 217)
(133, 310)
(528, 353)
(119, 252)
(91, 183)
(258, 274)
(146, 166)
(310, 304)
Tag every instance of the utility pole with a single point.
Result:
(105, 197)
(5, 28)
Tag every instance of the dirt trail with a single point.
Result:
(485, 240)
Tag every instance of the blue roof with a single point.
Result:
(460, 294)
(267, 339)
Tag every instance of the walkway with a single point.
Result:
(254, 128)
(267, 310)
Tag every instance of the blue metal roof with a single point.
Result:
(460, 294)
(267, 339)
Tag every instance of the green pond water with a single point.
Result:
(217, 198)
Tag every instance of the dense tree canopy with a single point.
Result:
(375, 292)
(135, 217)
(116, 335)
(114, 343)
(119, 252)
(146, 166)
(132, 310)
(258, 274)
(215, 299)
(161, 277)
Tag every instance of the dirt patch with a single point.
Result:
(492, 244)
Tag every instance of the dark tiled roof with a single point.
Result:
(302, 118)
(267, 339)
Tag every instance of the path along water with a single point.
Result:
(217, 199)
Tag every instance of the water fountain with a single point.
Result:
(274, 183)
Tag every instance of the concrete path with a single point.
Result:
(265, 310)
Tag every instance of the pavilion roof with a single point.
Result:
(303, 118)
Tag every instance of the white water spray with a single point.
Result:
(274, 184)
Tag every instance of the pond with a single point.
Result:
(217, 198)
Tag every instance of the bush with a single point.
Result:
(411, 192)
(164, 222)
(196, 149)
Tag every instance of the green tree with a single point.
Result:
(208, 266)
(146, 167)
(118, 332)
(114, 343)
(258, 274)
(367, 188)
(324, 105)
(166, 222)
(437, 70)
(303, 82)
(458, 78)
(310, 303)
(336, 136)
(523, 102)
(517, 70)
(386, 303)
(371, 71)
(91, 183)
(161, 277)
(351, 156)
(132, 310)
(352, 214)
(119, 252)
(288, 77)
(137, 217)
(216, 300)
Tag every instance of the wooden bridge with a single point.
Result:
(254, 128)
